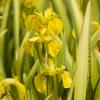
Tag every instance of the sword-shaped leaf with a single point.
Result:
(81, 75)
(75, 14)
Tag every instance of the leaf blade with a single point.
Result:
(82, 60)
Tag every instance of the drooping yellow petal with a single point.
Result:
(53, 48)
(66, 78)
(55, 26)
(11, 81)
(40, 83)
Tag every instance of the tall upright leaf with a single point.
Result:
(81, 75)
(83, 4)
(16, 24)
(75, 14)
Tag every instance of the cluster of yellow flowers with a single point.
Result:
(47, 28)
(49, 22)
(40, 79)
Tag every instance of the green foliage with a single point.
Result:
(59, 45)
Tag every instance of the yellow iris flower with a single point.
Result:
(49, 22)
(40, 80)
(55, 25)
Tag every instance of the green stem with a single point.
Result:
(17, 64)
(40, 55)
(33, 92)
(55, 90)
(48, 84)
(3, 27)
(16, 25)
(32, 72)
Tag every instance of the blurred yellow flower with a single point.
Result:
(49, 22)
(66, 78)
(52, 70)
(55, 26)
(12, 81)
(40, 83)
(53, 47)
